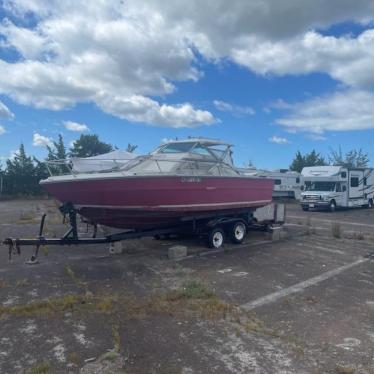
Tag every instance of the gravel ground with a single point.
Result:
(301, 305)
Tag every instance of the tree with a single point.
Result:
(20, 175)
(131, 147)
(309, 159)
(58, 151)
(89, 145)
(355, 158)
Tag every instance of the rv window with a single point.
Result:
(338, 187)
(344, 188)
(297, 180)
(365, 181)
(277, 182)
(343, 174)
(354, 182)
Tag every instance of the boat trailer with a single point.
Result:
(71, 237)
(211, 224)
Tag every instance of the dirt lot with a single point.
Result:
(301, 305)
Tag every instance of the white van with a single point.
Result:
(330, 187)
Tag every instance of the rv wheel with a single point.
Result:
(332, 206)
(305, 208)
(216, 238)
(370, 203)
(237, 232)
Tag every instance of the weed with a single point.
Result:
(190, 290)
(25, 218)
(73, 358)
(70, 272)
(44, 307)
(106, 304)
(336, 230)
(343, 369)
(110, 356)
(42, 368)
(358, 236)
(2, 283)
(116, 338)
(22, 282)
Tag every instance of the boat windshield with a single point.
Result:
(320, 186)
(176, 148)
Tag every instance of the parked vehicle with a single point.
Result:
(332, 187)
(287, 184)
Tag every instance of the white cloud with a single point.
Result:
(75, 126)
(5, 112)
(126, 56)
(142, 109)
(2, 130)
(232, 108)
(278, 140)
(41, 141)
(340, 111)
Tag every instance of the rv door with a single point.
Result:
(356, 184)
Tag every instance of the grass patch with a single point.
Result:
(71, 274)
(190, 290)
(344, 369)
(26, 217)
(116, 338)
(110, 356)
(44, 307)
(358, 236)
(336, 230)
(42, 368)
(22, 282)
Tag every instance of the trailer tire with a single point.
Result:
(370, 204)
(332, 206)
(216, 238)
(237, 232)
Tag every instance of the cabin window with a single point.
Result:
(354, 182)
(198, 149)
(343, 174)
(338, 187)
(277, 182)
(344, 188)
(176, 148)
(297, 180)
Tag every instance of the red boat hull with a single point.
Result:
(157, 201)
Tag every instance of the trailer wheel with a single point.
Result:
(238, 232)
(370, 203)
(332, 206)
(216, 238)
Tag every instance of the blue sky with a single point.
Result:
(140, 74)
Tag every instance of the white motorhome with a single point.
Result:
(330, 187)
(287, 184)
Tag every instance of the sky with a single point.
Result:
(271, 77)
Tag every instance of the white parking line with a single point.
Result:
(300, 286)
(324, 249)
(333, 221)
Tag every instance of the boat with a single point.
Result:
(179, 180)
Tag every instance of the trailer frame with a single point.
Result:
(195, 225)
